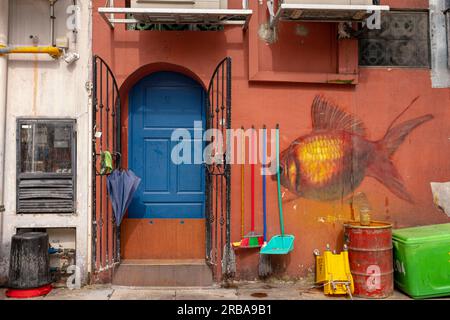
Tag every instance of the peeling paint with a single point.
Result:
(441, 196)
(301, 30)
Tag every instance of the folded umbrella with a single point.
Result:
(131, 185)
(121, 186)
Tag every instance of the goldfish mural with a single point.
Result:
(333, 160)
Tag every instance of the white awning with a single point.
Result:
(176, 16)
(323, 12)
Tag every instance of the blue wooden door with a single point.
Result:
(158, 105)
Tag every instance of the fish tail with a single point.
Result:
(382, 167)
(385, 172)
(396, 136)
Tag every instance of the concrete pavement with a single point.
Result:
(237, 291)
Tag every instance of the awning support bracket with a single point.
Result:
(311, 12)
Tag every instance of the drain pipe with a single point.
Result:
(52, 21)
(54, 52)
(4, 14)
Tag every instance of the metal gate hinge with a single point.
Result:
(89, 86)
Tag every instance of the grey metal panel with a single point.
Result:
(402, 41)
(45, 195)
(46, 192)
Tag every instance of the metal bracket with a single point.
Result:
(319, 12)
(89, 87)
(271, 12)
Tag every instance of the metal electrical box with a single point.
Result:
(180, 4)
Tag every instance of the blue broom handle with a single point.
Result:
(264, 182)
(280, 205)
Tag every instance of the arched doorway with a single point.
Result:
(166, 219)
(152, 249)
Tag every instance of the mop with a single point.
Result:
(228, 260)
(264, 267)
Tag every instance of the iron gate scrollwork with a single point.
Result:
(105, 137)
(218, 172)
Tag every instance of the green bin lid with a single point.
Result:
(437, 232)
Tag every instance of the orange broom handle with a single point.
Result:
(242, 183)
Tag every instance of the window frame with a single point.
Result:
(46, 175)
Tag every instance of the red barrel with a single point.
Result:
(371, 258)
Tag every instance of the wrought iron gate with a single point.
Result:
(218, 173)
(106, 137)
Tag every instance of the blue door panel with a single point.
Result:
(173, 107)
(167, 210)
(160, 104)
(157, 168)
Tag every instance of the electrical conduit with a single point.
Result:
(4, 13)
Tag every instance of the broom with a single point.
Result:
(229, 257)
(228, 261)
(264, 266)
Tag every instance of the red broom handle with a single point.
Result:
(253, 178)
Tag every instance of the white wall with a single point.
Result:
(39, 86)
(440, 74)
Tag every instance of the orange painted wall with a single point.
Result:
(382, 93)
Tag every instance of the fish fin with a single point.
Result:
(327, 116)
(385, 172)
(397, 135)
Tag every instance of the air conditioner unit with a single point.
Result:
(180, 4)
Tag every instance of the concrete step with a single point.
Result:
(163, 273)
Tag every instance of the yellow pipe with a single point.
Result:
(54, 52)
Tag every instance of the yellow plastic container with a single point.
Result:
(333, 271)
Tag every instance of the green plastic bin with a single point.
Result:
(422, 260)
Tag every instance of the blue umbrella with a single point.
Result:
(121, 185)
